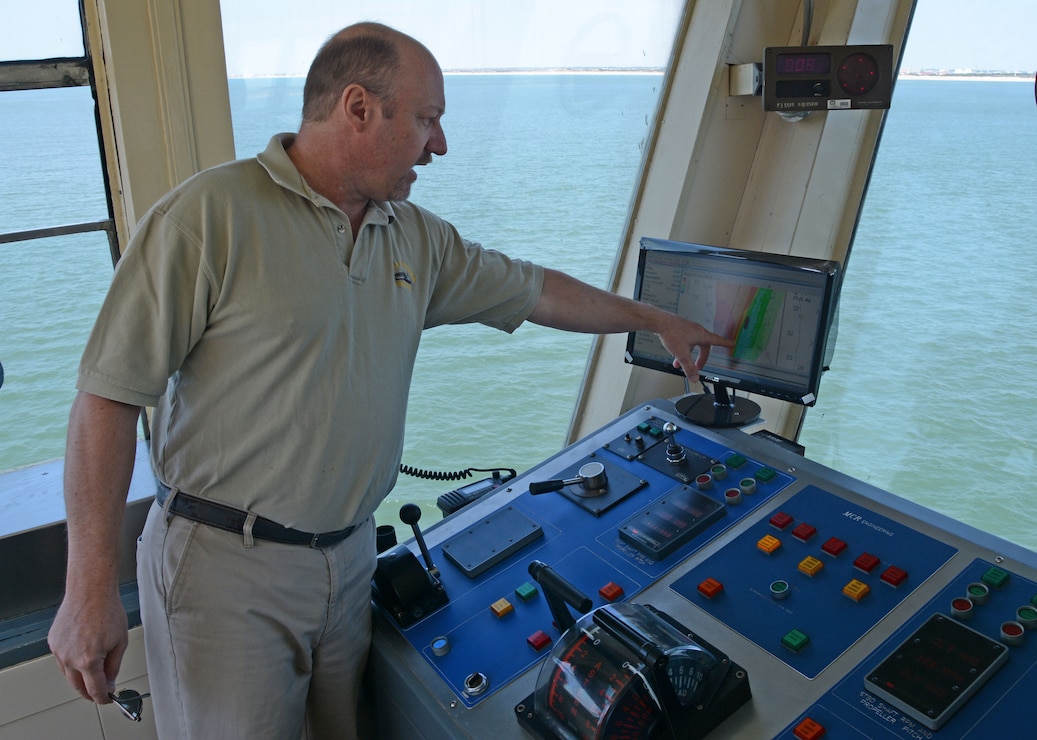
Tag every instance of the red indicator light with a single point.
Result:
(963, 604)
(780, 520)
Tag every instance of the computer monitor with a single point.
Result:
(779, 310)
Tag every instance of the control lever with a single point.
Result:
(400, 585)
(559, 592)
(591, 476)
(674, 449)
(410, 514)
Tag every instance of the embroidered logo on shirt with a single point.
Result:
(402, 274)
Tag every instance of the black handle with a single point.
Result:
(546, 486)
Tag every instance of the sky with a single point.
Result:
(945, 34)
(973, 34)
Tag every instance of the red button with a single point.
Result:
(808, 729)
(893, 575)
(610, 591)
(834, 546)
(710, 588)
(780, 520)
(866, 562)
(804, 532)
(538, 640)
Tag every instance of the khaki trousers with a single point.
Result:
(267, 641)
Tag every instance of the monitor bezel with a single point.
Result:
(824, 271)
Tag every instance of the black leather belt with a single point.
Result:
(234, 520)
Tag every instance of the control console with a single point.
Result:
(809, 603)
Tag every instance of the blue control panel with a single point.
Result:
(1001, 707)
(499, 619)
(848, 612)
(807, 582)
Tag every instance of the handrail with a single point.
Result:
(41, 74)
(82, 228)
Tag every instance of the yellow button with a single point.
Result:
(856, 590)
(811, 566)
(769, 544)
(501, 608)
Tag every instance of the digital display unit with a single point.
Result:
(807, 78)
(778, 309)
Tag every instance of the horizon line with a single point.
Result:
(908, 71)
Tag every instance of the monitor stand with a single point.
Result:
(718, 409)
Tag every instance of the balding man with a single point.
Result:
(270, 310)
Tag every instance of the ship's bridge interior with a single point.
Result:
(806, 598)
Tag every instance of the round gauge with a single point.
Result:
(594, 688)
(591, 693)
(857, 74)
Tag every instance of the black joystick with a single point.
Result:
(674, 449)
(400, 585)
(410, 514)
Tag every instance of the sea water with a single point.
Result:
(930, 393)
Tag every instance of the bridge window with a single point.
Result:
(930, 395)
(56, 230)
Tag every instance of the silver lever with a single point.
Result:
(591, 476)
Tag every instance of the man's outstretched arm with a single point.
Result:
(569, 304)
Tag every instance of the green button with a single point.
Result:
(735, 461)
(795, 641)
(1033, 600)
(643, 427)
(996, 578)
(526, 591)
(976, 590)
(765, 475)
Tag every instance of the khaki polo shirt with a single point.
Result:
(278, 353)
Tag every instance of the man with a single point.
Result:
(271, 309)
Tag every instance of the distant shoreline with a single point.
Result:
(495, 71)
(978, 77)
(1006, 77)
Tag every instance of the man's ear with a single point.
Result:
(357, 104)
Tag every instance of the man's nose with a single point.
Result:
(437, 142)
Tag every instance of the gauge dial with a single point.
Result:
(596, 689)
(858, 74)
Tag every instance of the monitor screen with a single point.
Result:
(778, 309)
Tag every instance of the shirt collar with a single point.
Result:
(275, 160)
